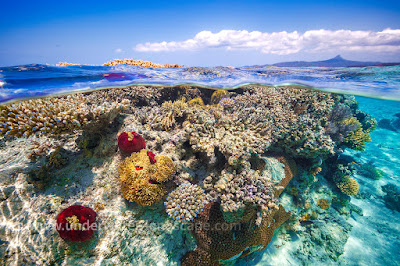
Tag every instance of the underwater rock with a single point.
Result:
(386, 124)
(392, 197)
(131, 142)
(76, 223)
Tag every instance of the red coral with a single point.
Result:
(152, 157)
(76, 223)
(131, 142)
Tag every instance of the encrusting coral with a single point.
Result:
(52, 116)
(142, 177)
(185, 202)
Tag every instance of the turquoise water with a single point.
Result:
(365, 232)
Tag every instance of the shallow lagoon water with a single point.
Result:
(363, 229)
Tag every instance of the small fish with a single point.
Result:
(353, 162)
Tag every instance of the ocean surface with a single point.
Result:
(39, 80)
(364, 232)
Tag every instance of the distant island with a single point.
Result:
(337, 61)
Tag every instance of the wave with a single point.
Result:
(37, 80)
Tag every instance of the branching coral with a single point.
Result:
(357, 138)
(261, 117)
(341, 178)
(185, 202)
(348, 186)
(143, 181)
(52, 116)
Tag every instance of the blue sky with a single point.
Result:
(198, 33)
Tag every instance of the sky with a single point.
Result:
(198, 33)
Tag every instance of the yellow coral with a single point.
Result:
(357, 138)
(142, 181)
(196, 102)
(218, 95)
(348, 186)
(323, 204)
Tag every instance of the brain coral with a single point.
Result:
(185, 202)
(143, 181)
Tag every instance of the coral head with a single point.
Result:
(131, 142)
(76, 223)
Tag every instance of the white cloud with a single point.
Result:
(118, 50)
(283, 43)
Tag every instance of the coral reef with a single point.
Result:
(131, 142)
(52, 116)
(76, 223)
(219, 239)
(138, 63)
(235, 158)
(185, 202)
(261, 117)
(143, 181)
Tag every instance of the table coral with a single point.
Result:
(143, 181)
